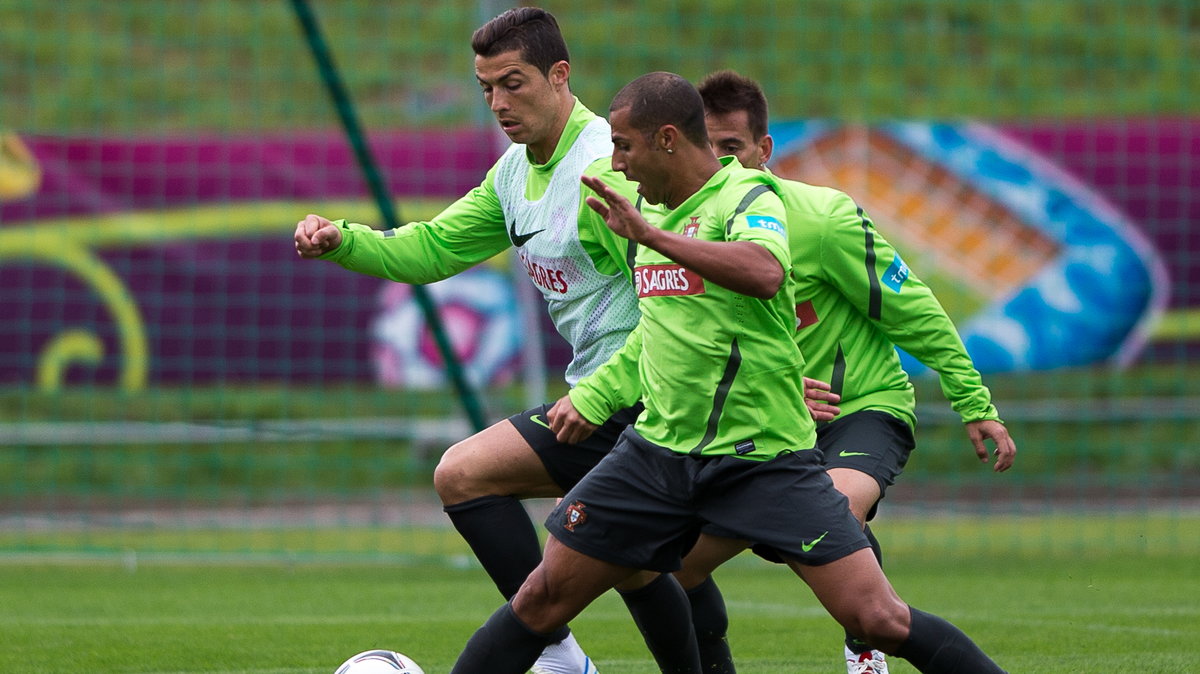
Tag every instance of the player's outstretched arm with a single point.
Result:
(744, 267)
(988, 429)
(316, 236)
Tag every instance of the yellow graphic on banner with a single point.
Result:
(20, 174)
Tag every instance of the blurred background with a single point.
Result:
(174, 381)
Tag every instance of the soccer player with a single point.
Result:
(725, 436)
(532, 199)
(855, 301)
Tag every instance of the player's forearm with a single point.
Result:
(613, 386)
(741, 266)
(405, 255)
(931, 338)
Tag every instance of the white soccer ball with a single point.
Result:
(379, 662)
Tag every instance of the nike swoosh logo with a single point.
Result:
(537, 419)
(809, 546)
(845, 453)
(520, 239)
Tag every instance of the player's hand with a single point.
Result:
(568, 424)
(316, 236)
(987, 429)
(821, 400)
(620, 215)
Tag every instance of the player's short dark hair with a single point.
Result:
(532, 31)
(662, 98)
(726, 91)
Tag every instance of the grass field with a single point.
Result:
(1075, 608)
(142, 66)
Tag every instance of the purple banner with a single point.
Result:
(1150, 170)
(88, 176)
(107, 301)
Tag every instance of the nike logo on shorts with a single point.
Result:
(809, 546)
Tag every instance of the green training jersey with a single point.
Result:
(718, 371)
(856, 298)
(578, 264)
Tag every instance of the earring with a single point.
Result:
(670, 151)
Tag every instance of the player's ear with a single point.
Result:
(559, 74)
(766, 146)
(665, 138)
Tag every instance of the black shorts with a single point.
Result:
(567, 464)
(869, 441)
(640, 506)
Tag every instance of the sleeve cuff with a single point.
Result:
(594, 413)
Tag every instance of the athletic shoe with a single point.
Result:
(565, 657)
(867, 662)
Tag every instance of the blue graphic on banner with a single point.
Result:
(1090, 301)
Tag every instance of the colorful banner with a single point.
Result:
(169, 261)
(1038, 270)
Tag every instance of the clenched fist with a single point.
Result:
(316, 236)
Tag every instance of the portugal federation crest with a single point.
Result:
(575, 516)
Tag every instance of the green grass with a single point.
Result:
(144, 66)
(1033, 612)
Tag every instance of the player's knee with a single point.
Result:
(535, 603)
(883, 624)
(454, 479)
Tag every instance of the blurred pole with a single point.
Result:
(387, 209)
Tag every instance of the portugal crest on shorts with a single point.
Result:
(575, 516)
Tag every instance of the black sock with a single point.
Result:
(504, 645)
(712, 625)
(502, 537)
(663, 616)
(855, 644)
(936, 646)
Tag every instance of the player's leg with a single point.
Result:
(656, 601)
(634, 510)
(710, 621)
(857, 594)
(864, 453)
(482, 479)
(863, 492)
(558, 590)
(790, 505)
(861, 489)
(481, 482)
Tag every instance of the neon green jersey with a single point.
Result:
(719, 372)
(856, 299)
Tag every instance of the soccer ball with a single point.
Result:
(379, 662)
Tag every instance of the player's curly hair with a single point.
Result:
(660, 98)
(531, 30)
(726, 91)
